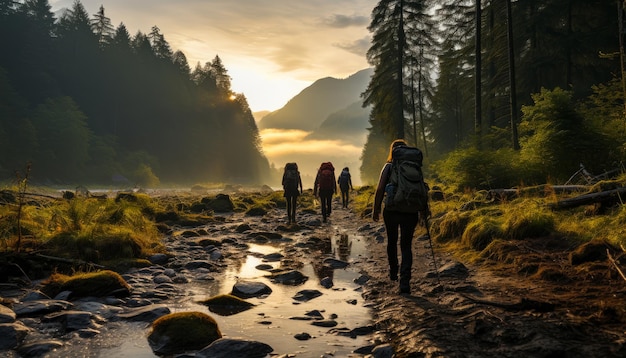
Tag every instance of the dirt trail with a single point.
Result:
(494, 310)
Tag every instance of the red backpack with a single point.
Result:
(327, 176)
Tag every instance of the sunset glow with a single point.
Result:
(271, 50)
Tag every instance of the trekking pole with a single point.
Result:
(432, 251)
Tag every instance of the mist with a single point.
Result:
(281, 146)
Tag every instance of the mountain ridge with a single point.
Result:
(314, 104)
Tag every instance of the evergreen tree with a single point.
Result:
(101, 26)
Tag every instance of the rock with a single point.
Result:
(334, 263)
(7, 315)
(38, 308)
(158, 259)
(383, 351)
(361, 280)
(302, 336)
(12, 334)
(100, 309)
(226, 305)
(182, 331)
(221, 203)
(91, 284)
(264, 267)
(273, 257)
(454, 270)
(293, 277)
(306, 295)
(34, 296)
(248, 289)
(39, 348)
(162, 279)
(70, 320)
(315, 314)
(326, 282)
(265, 236)
(325, 323)
(146, 314)
(232, 347)
(197, 264)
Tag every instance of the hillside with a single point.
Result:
(311, 107)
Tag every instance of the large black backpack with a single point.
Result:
(291, 176)
(406, 191)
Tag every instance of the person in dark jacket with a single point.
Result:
(291, 182)
(325, 186)
(405, 222)
(345, 185)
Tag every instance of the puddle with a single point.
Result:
(269, 321)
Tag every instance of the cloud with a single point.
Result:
(358, 47)
(342, 21)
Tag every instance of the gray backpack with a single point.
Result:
(406, 191)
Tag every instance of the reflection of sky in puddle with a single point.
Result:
(277, 308)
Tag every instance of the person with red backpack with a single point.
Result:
(325, 186)
(291, 182)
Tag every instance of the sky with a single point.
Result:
(272, 49)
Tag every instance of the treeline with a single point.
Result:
(497, 92)
(86, 102)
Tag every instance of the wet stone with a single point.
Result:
(39, 348)
(38, 308)
(7, 315)
(146, 314)
(325, 323)
(290, 278)
(229, 347)
(306, 295)
(248, 289)
(12, 334)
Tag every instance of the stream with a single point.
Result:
(271, 319)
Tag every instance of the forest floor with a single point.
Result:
(495, 307)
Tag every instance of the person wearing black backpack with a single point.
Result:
(345, 185)
(325, 186)
(291, 182)
(400, 217)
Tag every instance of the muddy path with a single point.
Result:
(525, 301)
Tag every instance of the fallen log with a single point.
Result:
(604, 197)
(539, 190)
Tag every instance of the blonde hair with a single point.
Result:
(395, 143)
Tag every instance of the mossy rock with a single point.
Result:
(226, 305)
(179, 332)
(98, 284)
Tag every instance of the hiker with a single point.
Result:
(345, 185)
(291, 182)
(396, 217)
(325, 186)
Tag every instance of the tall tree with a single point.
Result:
(101, 26)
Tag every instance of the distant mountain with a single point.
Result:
(328, 96)
(349, 125)
(260, 114)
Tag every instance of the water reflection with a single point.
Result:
(270, 319)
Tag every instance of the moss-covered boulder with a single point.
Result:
(99, 284)
(179, 332)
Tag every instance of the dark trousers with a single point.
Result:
(291, 207)
(406, 224)
(345, 197)
(326, 199)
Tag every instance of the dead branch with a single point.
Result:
(592, 198)
(614, 262)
